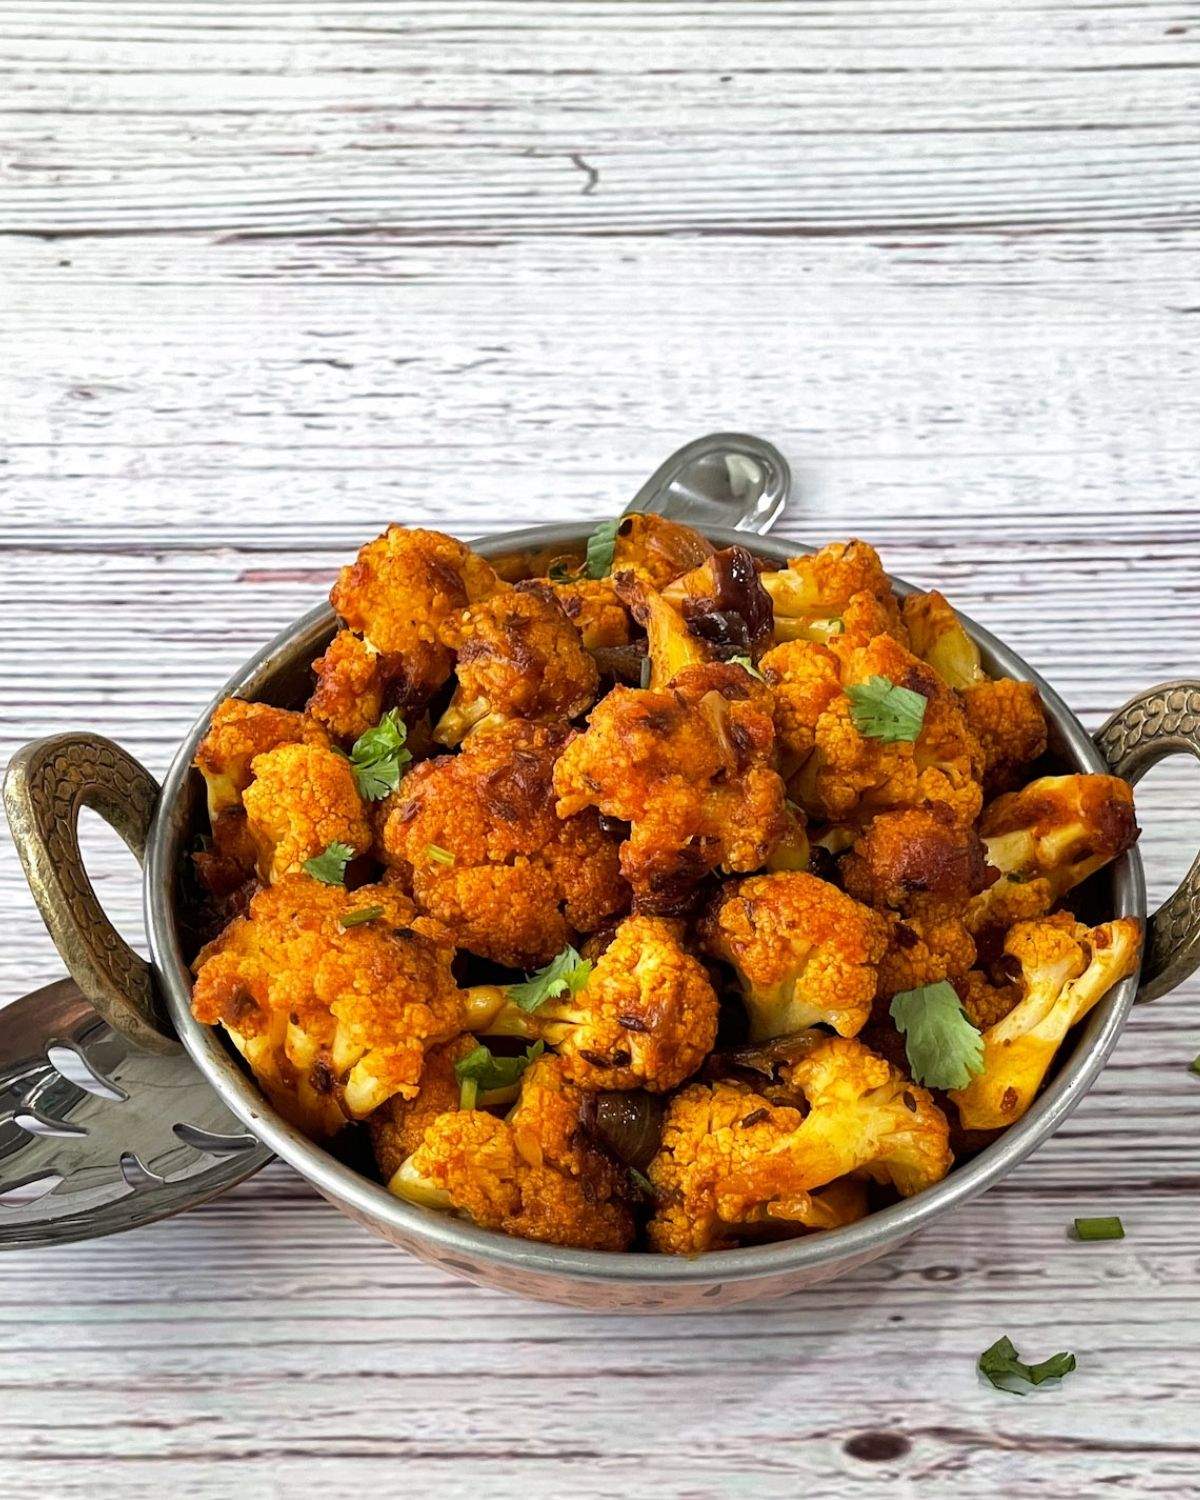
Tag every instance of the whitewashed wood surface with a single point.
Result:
(273, 274)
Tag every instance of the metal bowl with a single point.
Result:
(1159, 722)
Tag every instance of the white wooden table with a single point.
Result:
(274, 273)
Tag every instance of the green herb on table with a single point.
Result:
(1003, 1366)
(1102, 1228)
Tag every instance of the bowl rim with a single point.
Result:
(369, 1202)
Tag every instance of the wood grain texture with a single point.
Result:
(275, 273)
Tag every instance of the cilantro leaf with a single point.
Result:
(1003, 1366)
(600, 548)
(745, 663)
(563, 570)
(882, 711)
(359, 918)
(379, 756)
(944, 1050)
(643, 1184)
(438, 854)
(567, 972)
(329, 867)
(481, 1071)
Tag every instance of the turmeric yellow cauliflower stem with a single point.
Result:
(333, 1020)
(645, 1018)
(840, 592)
(1065, 970)
(731, 1160)
(804, 952)
(533, 1174)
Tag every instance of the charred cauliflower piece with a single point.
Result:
(238, 732)
(922, 864)
(398, 1127)
(400, 600)
(333, 1019)
(476, 839)
(519, 657)
(842, 773)
(591, 605)
(690, 769)
(840, 592)
(1046, 839)
(302, 799)
(1006, 716)
(804, 952)
(1065, 970)
(646, 1016)
(534, 1174)
(658, 550)
(731, 1160)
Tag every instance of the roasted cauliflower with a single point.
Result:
(731, 1160)
(804, 952)
(334, 1014)
(657, 550)
(1064, 970)
(302, 799)
(690, 769)
(843, 764)
(534, 1174)
(645, 1016)
(840, 592)
(476, 840)
(237, 733)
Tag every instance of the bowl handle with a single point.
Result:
(45, 787)
(1162, 721)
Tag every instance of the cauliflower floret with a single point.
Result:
(398, 1127)
(1006, 716)
(690, 769)
(302, 799)
(534, 1175)
(519, 657)
(476, 839)
(804, 952)
(840, 774)
(591, 605)
(645, 1018)
(239, 731)
(1046, 839)
(403, 596)
(332, 1019)
(983, 1002)
(670, 645)
(924, 865)
(840, 592)
(352, 686)
(1065, 970)
(658, 550)
(731, 1158)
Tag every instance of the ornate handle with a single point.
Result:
(1162, 721)
(46, 785)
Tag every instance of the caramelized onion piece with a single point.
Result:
(629, 1124)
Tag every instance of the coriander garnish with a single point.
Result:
(600, 549)
(379, 757)
(566, 972)
(360, 917)
(438, 854)
(882, 711)
(747, 665)
(481, 1071)
(944, 1050)
(329, 867)
(1003, 1366)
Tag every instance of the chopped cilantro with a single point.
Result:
(379, 757)
(747, 665)
(481, 1071)
(566, 972)
(1003, 1366)
(600, 548)
(882, 711)
(329, 867)
(438, 854)
(944, 1050)
(1102, 1228)
(360, 917)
